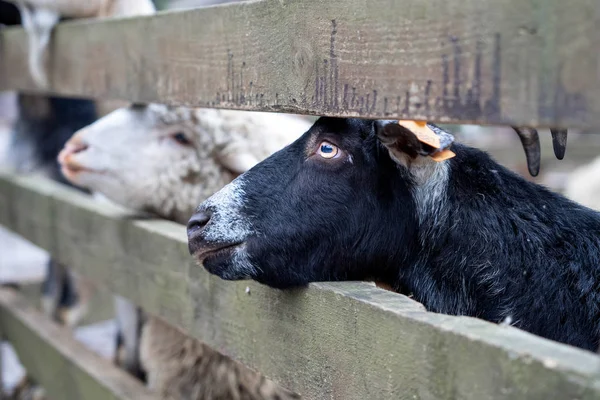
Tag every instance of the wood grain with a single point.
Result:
(328, 341)
(478, 61)
(65, 368)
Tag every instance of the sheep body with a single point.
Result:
(180, 367)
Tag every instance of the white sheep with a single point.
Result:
(164, 160)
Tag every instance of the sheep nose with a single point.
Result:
(73, 146)
(198, 221)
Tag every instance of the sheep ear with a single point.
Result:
(408, 141)
(237, 158)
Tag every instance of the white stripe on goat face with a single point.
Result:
(243, 267)
(227, 223)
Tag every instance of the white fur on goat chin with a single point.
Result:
(166, 160)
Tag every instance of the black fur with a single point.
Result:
(59, 288)
(45, 124)
(136, 368)
(9, 14)
(498, 246)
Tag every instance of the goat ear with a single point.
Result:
(408, 140)
(236, 157)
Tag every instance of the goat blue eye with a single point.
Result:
(328, 150)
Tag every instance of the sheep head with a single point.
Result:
(165, 159)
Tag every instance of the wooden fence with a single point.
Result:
(490, 62)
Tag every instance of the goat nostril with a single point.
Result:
(198, 221)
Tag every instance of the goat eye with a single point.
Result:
(328, 150)
(180, 138)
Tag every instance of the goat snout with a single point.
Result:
(198, 222)
(198, 242)
(219, 232)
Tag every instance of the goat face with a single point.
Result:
(324, 208)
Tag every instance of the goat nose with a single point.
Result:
(198, 221)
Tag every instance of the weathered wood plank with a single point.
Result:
(60, 364)
(484, 61)
(330, 340)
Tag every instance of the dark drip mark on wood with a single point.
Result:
(492, 105)
(242, 96)
(562, 104)
(236, 90)
(458, 93)
(230, 82)
(463, 99)
(445, 81)
(334, 66)
(457, 60)
(405, 110)
(317, 80)
(427, 93)
(327, 95)
(250, 94)
(324, 80)
(345, 98)
(372, 110)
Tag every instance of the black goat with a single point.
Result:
(361, 200)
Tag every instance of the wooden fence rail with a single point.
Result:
(65, 368)
(484, 61)
(330, 340)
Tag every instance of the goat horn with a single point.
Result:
(531, 144)
(559, 142)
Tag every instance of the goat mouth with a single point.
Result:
(201, 253)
